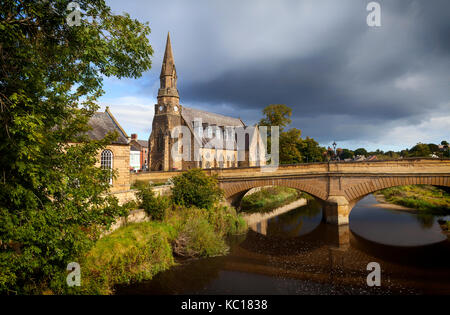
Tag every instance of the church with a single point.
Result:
(209, 140)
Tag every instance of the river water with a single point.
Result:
(296, 253)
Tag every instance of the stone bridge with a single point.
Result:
(339, 185)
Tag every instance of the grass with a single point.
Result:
(270, 198)
(139, 251)
(425, 198)
(144, 183)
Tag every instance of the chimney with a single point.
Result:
(133, 136)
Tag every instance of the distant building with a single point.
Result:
(139, 151)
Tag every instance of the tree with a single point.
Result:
(311, 151)
(420, 150)
(52, 197)
(290, 142)
(276, 115)
(361, 151)
(346, 154)
(195, 188)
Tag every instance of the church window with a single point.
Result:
(106, 162)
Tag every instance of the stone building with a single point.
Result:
(214, 140)
(117, 154)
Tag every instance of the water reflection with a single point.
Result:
(294, 223)
(295, 253)
(393, 227)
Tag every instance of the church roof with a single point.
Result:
(191, 114)
(210, 119)
(103, 123)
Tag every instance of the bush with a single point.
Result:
(195, 188)
(154, 206)
(133, 253)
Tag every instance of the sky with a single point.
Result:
(384, 87)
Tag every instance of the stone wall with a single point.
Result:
(121, 163)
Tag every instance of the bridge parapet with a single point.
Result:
(338, 184)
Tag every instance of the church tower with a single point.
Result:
(167, 116)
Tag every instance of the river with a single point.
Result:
(296, 253)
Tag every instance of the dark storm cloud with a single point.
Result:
(343, 79)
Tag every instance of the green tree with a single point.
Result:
(276, 115)
(52, 197)
(361, 151)
(420, 150)
(346, 154)
(195, 188)
(290, 142)
(311, 151)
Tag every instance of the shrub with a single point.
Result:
(133, 253)
(195, 188)
(154, 206)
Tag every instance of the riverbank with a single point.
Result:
(139, 251)
(254, 218)
(422, 199)
(269, 198)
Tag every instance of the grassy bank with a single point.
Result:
(270, 198)
(139, 251)
(427, 199)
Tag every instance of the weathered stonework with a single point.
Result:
(338, 185)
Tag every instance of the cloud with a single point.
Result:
(135, 114)
(344, 80)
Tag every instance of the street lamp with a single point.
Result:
(334, 148)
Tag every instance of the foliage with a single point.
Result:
(133, 253)
(276, 115)
(361, 151)
(195, 188)
(419, 150)
(154, 206)
(346, 154)
(139, 251)
(290, 142)
(268, 199)
(52, 197)
(428, 199)
(311, 151)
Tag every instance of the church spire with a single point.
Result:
(168, 92)
(168, 67)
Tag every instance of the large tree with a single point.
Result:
(52, 197)
(276, 115)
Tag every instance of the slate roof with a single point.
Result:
(210, 119)
(143, 143)
(190, 114)
(103, 123)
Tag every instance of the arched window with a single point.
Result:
(106, 161)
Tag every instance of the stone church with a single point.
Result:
(214, 138)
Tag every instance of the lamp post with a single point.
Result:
(334, 149)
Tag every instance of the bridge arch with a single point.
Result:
(359, 191)
(235, 191)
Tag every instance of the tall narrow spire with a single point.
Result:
(168, 66)
(168, 90)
